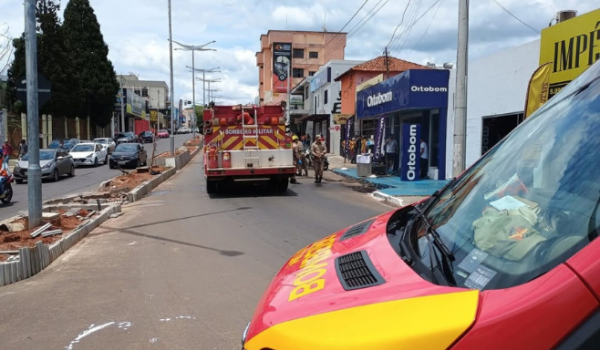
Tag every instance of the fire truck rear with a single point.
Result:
(246, 143)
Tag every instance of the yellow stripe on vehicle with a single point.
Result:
(424, 323)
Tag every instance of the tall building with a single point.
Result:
(155, 92)
(305, 50)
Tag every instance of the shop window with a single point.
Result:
(313, 54)
(298, 53)
(325, 96)
(495, 128)
(145, 92)
(298, 73)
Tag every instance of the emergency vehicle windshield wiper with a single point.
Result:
(442, 248)
(433, 198)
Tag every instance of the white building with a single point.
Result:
(155, 92)
(325, 93)
(497, 87)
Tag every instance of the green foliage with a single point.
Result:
(98, 84)
(53, 61)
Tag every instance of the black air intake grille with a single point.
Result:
(356, 271)
(356, 230)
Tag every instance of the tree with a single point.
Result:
(199, 115)
(98, 84)
(53, 61)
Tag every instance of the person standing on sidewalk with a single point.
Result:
(301, 159)
(7, 150)
(23, 148)
(391, 146)
(424, 159)
(318, 150)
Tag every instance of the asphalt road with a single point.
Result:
(86, 179)
(179, 270)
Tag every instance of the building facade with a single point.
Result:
(326, 108)
(287, 57)
(364, 73)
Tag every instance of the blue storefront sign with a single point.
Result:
(411, 154)
(424, 91)
(413, 89)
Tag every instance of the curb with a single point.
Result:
(142, 190)
(390, 200)
(34, 260)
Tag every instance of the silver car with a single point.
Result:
(54, 162)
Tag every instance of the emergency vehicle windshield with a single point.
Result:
(526, 206)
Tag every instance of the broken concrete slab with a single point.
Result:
(40, 230)
(52, 233)
(116, 215)
(49, 216)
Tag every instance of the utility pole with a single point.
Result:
(172, 135)
(204, 71)
(460, 109)
(195, 117)
(387, 64)
(34, 172)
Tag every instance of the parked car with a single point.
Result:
(68, 143)
(125, 137)
(128, 155)
(146, 136)
(162, 133)
(107, 143)
(54, 163)
(89, 154)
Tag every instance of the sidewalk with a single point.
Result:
(390, 188)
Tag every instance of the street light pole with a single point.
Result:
(34, 172)
(172, 136)
(460, 110)
(195, 117)
(123, 129)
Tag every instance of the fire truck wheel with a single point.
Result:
(282, 185)
(211, 187)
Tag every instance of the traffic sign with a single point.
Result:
(44, 90)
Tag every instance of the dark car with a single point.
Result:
(125, 137)
(146, 136)
(68, 144)
(128, 155)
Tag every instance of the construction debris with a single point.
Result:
(39, 231)
(12, 227)
(52, 233)
(116, 215)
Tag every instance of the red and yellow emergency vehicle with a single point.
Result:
(505, 256)
(246, 143)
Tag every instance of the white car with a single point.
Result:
(107, 143)
(89, 154)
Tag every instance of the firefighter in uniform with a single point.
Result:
(318, 150)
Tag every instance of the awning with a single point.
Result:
(315, 117)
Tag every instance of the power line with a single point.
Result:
(426, 30)
(399, 24)
(340, 31)
(413, 14)
(422, 15)
(356, 28)
(515, 17)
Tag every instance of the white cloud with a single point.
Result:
(137, 32)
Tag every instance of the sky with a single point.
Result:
(137, 32)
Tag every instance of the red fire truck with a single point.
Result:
(246, 143)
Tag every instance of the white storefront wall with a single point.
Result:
(497, 85)
(332, 89)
